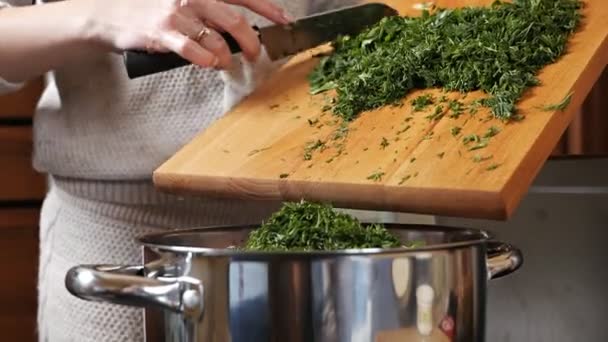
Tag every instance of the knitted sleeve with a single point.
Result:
(5, 86)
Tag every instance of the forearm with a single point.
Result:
(36, 39)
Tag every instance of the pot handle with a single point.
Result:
(502, 259)
(126, 285)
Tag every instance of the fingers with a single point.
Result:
(206, 37)
(217, 45)
(266, 9)
(222, 16)
(188, 49)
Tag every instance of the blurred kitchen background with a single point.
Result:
(562, 226)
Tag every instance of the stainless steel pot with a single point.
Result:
(196, 288)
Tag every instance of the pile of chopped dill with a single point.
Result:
(498, 49)
(307, 226)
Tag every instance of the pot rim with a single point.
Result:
(154, 242)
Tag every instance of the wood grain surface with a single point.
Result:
(19, 252)
(18, 180)
(256, 151)
(21, 104)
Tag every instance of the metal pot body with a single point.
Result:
(211, 294)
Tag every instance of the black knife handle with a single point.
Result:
(141, 63)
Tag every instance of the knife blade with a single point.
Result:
(279, 40)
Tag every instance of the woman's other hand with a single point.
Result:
(186, 27)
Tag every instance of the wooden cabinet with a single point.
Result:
(18, 181)
(19, 255)
(21, 192)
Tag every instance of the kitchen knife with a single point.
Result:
(279, 40)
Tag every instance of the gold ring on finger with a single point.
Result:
(204, 32)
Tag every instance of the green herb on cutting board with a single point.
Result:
(421, 102)
(482, 144)
(284, 175)
(491, 132)
(560, 106)
(470, 138)
(404, 179)
(313, 146)
(384, 143)
(404, 129)
(492, 167)
(376, 176)
(479, 159)
(308, 226)
(437, 113)
(455, 130)
(498, 49)
(456, 107)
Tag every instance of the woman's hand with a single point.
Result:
(186, 27)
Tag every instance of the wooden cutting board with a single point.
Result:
(256, 151)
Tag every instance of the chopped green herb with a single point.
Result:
(563, 104)
(313, 146)
(440, 155)
(376, 176)
(470, 138)
(341, 132)
(479, 146)
(404, 129)
(492, 131)
(437, 114)
(456, 107)
(412, 160)
(384, 143)
(313, 122)
(421, 102)
(308, 226)
(429, 136)
(492, 167)
(284, 175)
(474, 106)
(498, 49)
(479, 159)
(443, 99)
(455, 130)
(404, 179)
